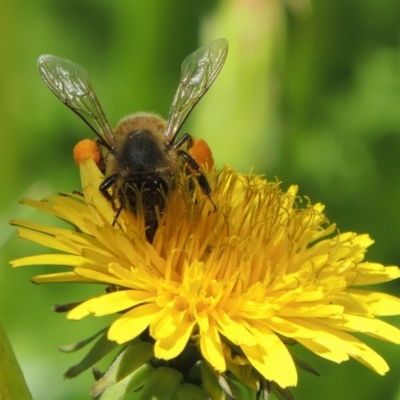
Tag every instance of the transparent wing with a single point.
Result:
(198, 73)
(70, 83)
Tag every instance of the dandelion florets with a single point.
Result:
(235, 281)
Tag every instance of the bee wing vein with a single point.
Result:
(70, 83)
(198, 73)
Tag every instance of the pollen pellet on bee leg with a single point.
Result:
(86, 149)
(201, 152)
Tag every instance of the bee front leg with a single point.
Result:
(105, 185)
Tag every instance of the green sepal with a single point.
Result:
(210, 382)
(246, 375)
(280, 393)
(97, 374)
(186, 362)
(70, 348)
(132, 382)
(133, 358)
(162, 384)
(304, 365)
(62, 308)
(187, 391)
(239, 389)
(106, 379)
(101, 348)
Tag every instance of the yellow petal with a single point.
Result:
(210, 343)
(115, 302)
(173, 345)
(373, 273)
(49, 259)
(379, 303)
(61, 277)
(271, 357)
(371, 326)
(327, 342)
(235, 330)
(132, 323)
(373, 360)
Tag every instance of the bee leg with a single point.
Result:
(155, 190)
(185, 138)
(201, 179)
(105, 185)
(117, 215)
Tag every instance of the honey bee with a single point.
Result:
(141, 155)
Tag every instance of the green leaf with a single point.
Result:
(101, 348)
(162, 384)
(12, 382)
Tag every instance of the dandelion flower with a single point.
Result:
(238, 282)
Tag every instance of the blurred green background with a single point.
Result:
(310, 94)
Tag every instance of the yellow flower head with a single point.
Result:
(238, 281)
